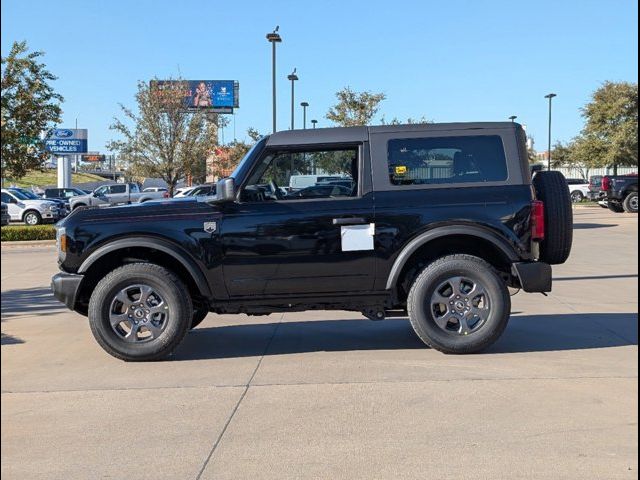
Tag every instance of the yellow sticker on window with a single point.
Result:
(401, 170)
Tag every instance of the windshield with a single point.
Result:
(245, 163)
(28, 194)
(19, 195)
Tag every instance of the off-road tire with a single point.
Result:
(551, 188)
(630, 203)
(422, 319)
(174, 292)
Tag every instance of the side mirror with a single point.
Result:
(226, 190)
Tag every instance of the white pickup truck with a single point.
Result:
(118, 193)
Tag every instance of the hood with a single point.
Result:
(165, 210)
(38, 203)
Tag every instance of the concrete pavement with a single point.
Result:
(332, 395)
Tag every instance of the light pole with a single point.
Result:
(274, 38)
(314, 123)
(512, 118)
(549, 96)
(304, 106)
(293, 77)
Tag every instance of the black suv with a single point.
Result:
(441, 220)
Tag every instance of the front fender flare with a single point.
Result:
(157, 244)
(439, 232)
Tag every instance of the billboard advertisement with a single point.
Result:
(217, 95)
(67, 141)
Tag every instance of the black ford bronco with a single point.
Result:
(435, 221)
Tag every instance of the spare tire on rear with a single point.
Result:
(551, 187)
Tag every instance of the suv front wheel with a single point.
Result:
(459, 304)
(140, 312)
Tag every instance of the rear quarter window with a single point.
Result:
(441, 160)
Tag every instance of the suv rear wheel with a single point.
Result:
(459, 304)
(140, 312)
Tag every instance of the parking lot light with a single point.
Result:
(274, 38)
(549, 96)
(293, 77)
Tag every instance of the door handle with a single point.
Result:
(349, 221)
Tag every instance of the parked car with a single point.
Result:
(63, 206)
(27, 210)
(206, 189)
(621, 192)
(595, 188)
(63, 193)
(578, 189)
(444, 219)
(155, 189)
(6, 218)
(184, 191)
(298, 182)
(321, 191)
(115, 194)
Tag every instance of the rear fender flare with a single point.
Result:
(468, 230)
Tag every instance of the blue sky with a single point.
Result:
(448, 61)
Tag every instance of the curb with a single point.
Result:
(29, 243)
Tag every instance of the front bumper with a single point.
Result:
(533, 276)
(65, 288)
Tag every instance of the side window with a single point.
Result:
(437, 160)
(102, 190)
(118, 189)
(133, 188)
(68, 193)
(295, 175)
(6, 198)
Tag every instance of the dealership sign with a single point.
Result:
(220, 96)
(67, 141)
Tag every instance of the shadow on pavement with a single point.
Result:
(10, 340)
(526, 333)
(585, 226)
(30, 301)
(595, 277)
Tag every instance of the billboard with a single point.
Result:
(67, 141)
(218, 95)
(93, 157)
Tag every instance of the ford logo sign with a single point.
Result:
(63, 133)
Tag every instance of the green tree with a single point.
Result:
(353, 108)
(165, 140)
(611, 125)
(30, 109)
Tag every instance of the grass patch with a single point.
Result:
(22, 233)
(50, 177)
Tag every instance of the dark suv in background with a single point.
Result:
(441, 221)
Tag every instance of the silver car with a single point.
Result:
(29, 211)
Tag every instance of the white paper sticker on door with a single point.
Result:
(357, 237)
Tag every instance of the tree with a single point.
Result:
(353, 108)
(166, 140)
(611, 125)
(409, 121)
(30, 109)
(227, 158)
